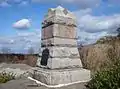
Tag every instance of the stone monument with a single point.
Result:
(60, 62)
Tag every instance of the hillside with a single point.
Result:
(97, 55)
(29, 59)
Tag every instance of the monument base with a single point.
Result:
(61, 76)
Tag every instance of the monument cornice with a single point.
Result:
(59, 20)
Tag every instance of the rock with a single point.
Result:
(20, 70)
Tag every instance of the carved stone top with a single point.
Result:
(60, 11)
(59, 15)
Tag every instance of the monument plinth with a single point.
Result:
(60, 62)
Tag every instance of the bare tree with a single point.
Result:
(5, 50)
(31, 50)
(118, 30)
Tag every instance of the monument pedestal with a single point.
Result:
(62, 76)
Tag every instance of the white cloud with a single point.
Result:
(89, 38)
(80, 3)
(4, 4)
(22, 24)
(114, 1)
(91, 28)
(22, 42)
(93, 24)
(83, 12)
(24, 3)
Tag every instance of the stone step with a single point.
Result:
(62, 76)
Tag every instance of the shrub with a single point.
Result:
(109, 76)
(106, 79)
(5, 77)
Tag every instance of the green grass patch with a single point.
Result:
(5, 77)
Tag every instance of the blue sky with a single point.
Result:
(20, 20)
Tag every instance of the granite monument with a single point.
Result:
(60, 62)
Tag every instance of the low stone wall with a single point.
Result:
(29, 59)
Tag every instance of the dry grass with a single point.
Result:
(96, 56)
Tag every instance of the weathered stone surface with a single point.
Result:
(63, 52)
(57, 30)
(56, 63)
(65, 31)
(60, 11)
(62, 76)
(64, 63)
(20, 70)
(47, 32)
(59, 20)
(59, 15)
(59, 42)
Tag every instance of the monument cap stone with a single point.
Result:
(60, 11)
(59, 15)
